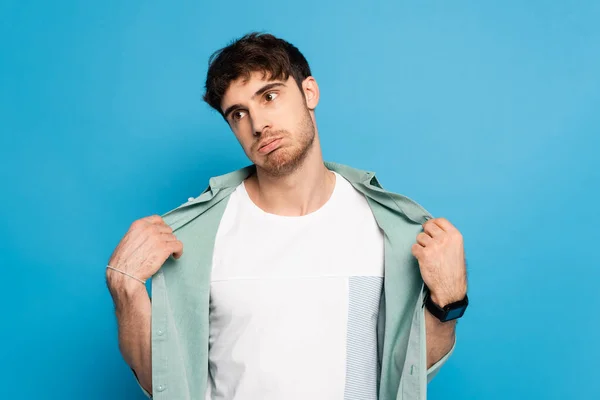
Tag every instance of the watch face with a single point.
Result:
(455, 313)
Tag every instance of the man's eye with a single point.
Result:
(237, 115)
(270, 96)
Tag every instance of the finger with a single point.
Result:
(424, 239)
(176, 249)
(154, 219)
(444, 224)
(432, 229)
(168, 237)
(162, 228)
(143, 223)
(417, 250)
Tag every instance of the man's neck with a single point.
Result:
(302, 192)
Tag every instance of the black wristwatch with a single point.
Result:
(449, 312)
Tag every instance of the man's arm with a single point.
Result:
(133, 310)
(140, 254)
(440, 337)
(440, 252)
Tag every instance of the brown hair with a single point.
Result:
(254, 52)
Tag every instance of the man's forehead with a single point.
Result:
(244, 87)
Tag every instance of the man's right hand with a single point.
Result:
(142, 251)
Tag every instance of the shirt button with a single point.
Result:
(160, 332)
(160, 388)
(191, 199)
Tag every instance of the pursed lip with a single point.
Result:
(267, 142)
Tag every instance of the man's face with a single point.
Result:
(271, 120)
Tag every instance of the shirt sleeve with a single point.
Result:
(435, 368)
(140, 385)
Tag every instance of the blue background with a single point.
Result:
(487, 114)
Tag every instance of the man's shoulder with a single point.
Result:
(219, 188)
(367, 182)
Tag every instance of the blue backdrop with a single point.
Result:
(487, 114)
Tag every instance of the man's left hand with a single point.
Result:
(440, 252)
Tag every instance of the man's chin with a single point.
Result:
(278, 170)
(283, 161)
(279, 166)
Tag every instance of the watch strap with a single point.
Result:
(448, 312)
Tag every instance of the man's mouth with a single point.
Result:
(269, 145)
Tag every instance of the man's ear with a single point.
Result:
(311, 92)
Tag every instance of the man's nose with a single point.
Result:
(260, 123)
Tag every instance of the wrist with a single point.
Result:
(442, 299)
(123, 287)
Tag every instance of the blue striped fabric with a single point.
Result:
(362, 364)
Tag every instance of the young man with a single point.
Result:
(292, 278)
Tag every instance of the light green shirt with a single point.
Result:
(181, 293)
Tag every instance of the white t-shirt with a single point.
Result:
(295, 300)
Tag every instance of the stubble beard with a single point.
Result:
(284, 161)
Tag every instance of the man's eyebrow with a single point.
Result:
(259, 92)
(269, 86)
(230, 109)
